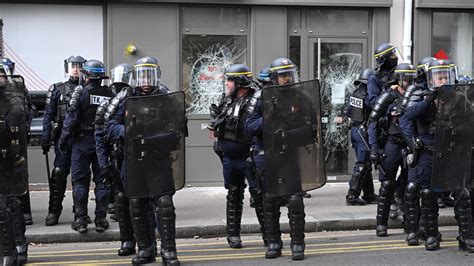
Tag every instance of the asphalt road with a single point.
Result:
(322, 248)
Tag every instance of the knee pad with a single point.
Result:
(165, 201)
(428, 195)
(137, 207)
(60, 172)
(120, 197)
(387, 187)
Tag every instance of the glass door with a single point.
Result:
(336, 62)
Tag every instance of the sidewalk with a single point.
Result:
(200, 212)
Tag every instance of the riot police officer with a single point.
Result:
(235, 144)
(421, 112)
(109, 157)
(147, 76)
(59, 95)
(386, 57)
(359, 111)
(78, 128)
(13, 129)
(385, 138)
(282, 71)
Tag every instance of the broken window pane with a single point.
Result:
(204, 60)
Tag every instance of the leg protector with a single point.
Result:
(412, 213)
(463, 215)
(296, 216)
(386, 191)
(235, 198)
(271, 210)
(257, 195)
(429, 212)
(26, 208)
(7, 234)
(56, 195)
(141, 227)
(167, 229)
(19, 229)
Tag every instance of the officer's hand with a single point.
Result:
(45, 147)
(430, 96)
(63, 146)
(105, 171)
(374, 157)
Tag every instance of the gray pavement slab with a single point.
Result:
(200, 212)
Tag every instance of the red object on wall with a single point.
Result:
(441, 54)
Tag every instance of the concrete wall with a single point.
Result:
(42, 36)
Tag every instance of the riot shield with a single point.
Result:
(14, 128)
(453, 138)
(154, 144)
(294, 159)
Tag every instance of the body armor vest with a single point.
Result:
(359, 113)
(97, 94)
(233, 126)
(65, 89)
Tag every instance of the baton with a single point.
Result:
(46, 156)
(368, 147)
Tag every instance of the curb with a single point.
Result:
(220, 230)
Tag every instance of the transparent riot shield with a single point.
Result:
(155, 129)
(453, 138)
(294, 159)
(13, 128)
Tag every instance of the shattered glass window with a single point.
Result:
(341, 64)
(204, 60)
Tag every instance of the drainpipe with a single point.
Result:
(407, 26)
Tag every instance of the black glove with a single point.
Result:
(431, 95)
(374, 157)
(105, 171)
(45, 146)
(63, 147)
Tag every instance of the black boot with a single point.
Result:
(235, 198)
(383, 206)
(26, 208)
(8, 234)
(463, 215)
(412, 213)
(167, 229)
(296, 216)
(56, 195)
(101, 224)
(142, 228)
(80, 216)
(271, 208)
(125, 225)
(257, 195)
(429, 212)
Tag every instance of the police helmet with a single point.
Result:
(422, 66)
(387, 54)
(285, 68)
(146, 72)
(440, 73)
(264, 75)
(94, 69)
(364, 76)
(240, 74)
(405, 74)
(7, 63)
(75, 61)
(121, 73)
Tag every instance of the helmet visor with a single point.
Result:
(438, 77)
(405, 78)
(120, 75)
(286, 76)
(147, 75)
(74, 69)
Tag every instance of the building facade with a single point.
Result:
(194, 41)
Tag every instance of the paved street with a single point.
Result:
(322, 248)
